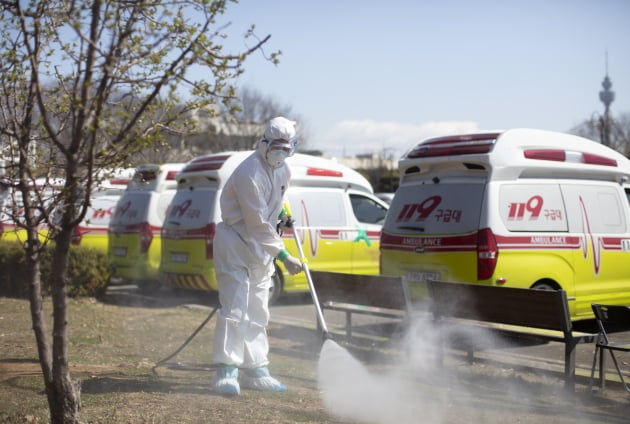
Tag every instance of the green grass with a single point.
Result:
(113, 350)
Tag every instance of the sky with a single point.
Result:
(364, 76)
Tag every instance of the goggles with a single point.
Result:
(281, 144)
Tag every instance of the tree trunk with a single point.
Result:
(33, 261)
(67, 391)
(63, 393)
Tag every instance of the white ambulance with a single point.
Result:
(338, 220)
(519, 208)
(134, 229)
(12, 209)
(92, 231)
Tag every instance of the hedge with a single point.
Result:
(88, 271)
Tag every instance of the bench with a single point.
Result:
(539, 314)
(375, 295)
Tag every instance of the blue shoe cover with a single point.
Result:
(260, 379)
(225, 381)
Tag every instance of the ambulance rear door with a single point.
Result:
(431, 230)
(188, 232)
(92, 231)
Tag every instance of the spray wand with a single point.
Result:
(318, 308)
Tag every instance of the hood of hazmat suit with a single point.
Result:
(254, 194)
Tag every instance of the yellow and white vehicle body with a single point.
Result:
(92, 231)
(337, 215)
(519, 208)
(12, 208)
(134, 244)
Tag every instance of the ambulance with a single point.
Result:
(338, 221)
(92, 231)
(134, 230)
(517, 208)
(12, 208)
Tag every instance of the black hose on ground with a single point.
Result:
(188, 340)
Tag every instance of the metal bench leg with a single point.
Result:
(598, 351)
(602, 369)
(569, 365)
(619, 371)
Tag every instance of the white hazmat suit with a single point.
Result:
(245, 244)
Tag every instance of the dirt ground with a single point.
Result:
(114, 347)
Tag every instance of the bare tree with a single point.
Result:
(235, 131)
(83, 85)
(618, 130)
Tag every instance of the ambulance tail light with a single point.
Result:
(547, 154)
(77, 235)
(209, 234)
(322, 172)
(558, 155)
(146, 237)
(487, 254)
(170, 175)
(119, 181)
(598, 160)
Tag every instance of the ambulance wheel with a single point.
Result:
(275, 291)
(545, 285)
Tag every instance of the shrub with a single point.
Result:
(88, 271)
(13, 270)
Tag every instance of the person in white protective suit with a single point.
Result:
(245, 245)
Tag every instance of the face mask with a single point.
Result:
(275, 158)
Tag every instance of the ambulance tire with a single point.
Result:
(275, 291)
(545, 285)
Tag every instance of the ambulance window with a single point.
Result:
(144, 179)
(609, 209)
(318, 208)
(131, 209)
(594, 209)
(436, 208)
(366, 210)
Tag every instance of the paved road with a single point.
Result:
(298, 311)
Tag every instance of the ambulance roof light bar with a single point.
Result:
(206, 163)
(455, 145)
(568, 156)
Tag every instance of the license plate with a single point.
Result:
(180, 258)
(120, 251)
(422, 277)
